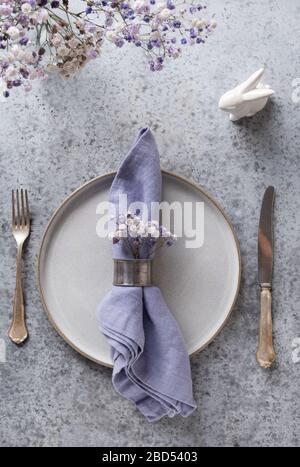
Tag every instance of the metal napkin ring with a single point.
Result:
(133, 272)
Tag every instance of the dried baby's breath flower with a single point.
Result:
(41, 35)
(140, 235)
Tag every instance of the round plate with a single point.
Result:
(75, 269)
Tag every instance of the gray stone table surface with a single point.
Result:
(66, 132)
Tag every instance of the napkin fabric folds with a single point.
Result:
(151, 363)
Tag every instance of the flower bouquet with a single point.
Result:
(140, 234)
(40, 36)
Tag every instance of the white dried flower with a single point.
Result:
(133, 230)
(13, 32)
(165, 14)
(121, 233)
(73, 43)
(33, 75)
(56, 40)
(129, 221)
(11, 71)
(153, 231)
(111, 36)
(3, 87)
(26, 8)
(142, 230)
(200, 23)
(28, 57)
(161, 5)
(42, 16)
(51, 67)
(62, 51)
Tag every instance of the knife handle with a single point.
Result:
(265, 354)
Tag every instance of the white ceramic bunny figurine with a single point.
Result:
(246, 99)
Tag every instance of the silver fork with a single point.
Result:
(21, 228)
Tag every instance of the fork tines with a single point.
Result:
(20, 208)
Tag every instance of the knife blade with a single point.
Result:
(265, 354)
(265, 238)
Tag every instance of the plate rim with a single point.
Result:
(102, 177)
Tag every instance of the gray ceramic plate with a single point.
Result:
(75, 269)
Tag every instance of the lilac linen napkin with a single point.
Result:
(151, 363)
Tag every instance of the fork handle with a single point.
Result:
(18, 332)
(265, 355)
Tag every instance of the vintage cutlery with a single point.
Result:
(265, 353)
(21, 228)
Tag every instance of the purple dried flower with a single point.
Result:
(130, 13)
(151, 242)
(158, 64)
(109, 20)
(170, 5)
(91, 28)
(169, 243)
(119, 42)
(92, 54)
(24, 40)
(24, 73)
(23, 20)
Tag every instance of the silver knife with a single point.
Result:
(265, 354)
